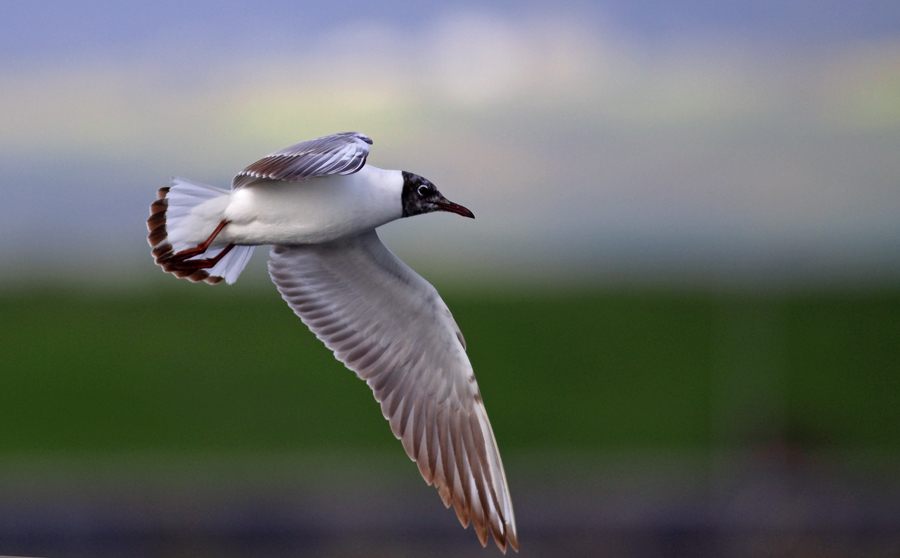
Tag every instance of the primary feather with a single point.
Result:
(390, 326)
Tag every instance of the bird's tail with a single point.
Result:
(173, 223)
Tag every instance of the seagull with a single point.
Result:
(318, 204)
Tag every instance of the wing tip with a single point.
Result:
(498, 527)
(512, 539)
(360, 136)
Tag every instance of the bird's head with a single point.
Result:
(421, 196)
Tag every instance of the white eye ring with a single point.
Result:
(422, 190)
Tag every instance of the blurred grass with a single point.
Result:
(194, 368)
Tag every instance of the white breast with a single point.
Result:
(313, 211)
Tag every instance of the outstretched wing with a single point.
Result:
(391, 327)
(343, 153)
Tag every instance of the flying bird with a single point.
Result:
(318, 204)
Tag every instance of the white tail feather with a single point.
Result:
(231, 265)
(184, 228)
(177, 223)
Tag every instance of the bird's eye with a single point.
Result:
(423, 190)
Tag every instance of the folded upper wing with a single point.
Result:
(343, 153)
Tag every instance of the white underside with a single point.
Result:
(308, 212)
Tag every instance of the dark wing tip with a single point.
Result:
(363, 137)
(513, 541)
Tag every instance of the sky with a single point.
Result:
(700, 142)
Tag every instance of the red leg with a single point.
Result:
(200, 248)
(181, 262)
(204, 264)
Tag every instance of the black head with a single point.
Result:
(420, 196)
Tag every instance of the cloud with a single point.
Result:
(562, 132)
(466, 62)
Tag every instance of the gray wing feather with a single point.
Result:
(390, 326)
(343, 153)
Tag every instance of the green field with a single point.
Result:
(195, 368)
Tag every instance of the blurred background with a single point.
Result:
(681, 294)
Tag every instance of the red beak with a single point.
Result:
(447, 205)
